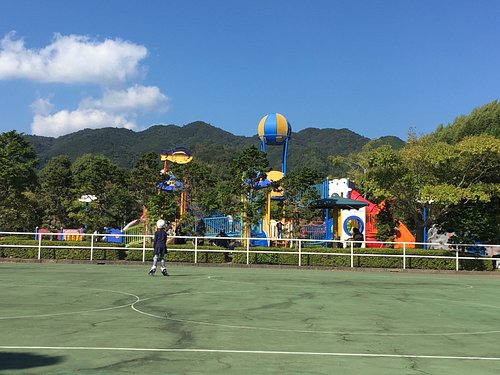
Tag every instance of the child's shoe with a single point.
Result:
(152, 271)
(164, 272)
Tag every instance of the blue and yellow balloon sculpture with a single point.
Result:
(274, 129)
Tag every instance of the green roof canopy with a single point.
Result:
(336, 201)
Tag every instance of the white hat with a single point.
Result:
(160, 223)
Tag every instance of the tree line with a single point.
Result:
(454, 173)
(49, 197)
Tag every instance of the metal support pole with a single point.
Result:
(248, 250)
(425, 227)
(300, 250)
(91, 247)
(39, 246)
(404, 255)
(195, 250)
(352, 255)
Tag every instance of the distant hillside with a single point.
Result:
(482, 120)
(309, 147)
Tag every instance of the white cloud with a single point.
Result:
(42, 106)
(135, 98)
(65, 122)
(114, 109)
(71, 59)
(76, 59)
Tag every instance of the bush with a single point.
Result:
(396, 261)
(23, 248)
(175, 254)
(59, 250)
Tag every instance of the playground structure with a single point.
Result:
(110, 234)
(63, 234)
(71, 235)
(177, 155)
(113, 235)
(343, 207)
(344, 210)
(273, 130)
(233, 226)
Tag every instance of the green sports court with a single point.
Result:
(114, 319)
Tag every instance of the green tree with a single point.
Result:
(199, 183)
(142, 182)
(144, 177)
(452, 176)
(354, 165)
(163, 205)
(98, 176)
(298, 190)
(386, 222)
(483, 120)
(248, 169)
(465, 187)
(18, 207)
(472, 222)
(55, 193)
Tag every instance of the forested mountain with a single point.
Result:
(309, 147)
(482, 120)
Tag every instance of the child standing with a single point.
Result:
(357, 236)
(160, 248)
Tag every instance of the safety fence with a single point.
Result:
(231, 225)
(241, 245)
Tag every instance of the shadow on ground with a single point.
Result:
(18, 360)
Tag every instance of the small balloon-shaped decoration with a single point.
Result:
(274, 129)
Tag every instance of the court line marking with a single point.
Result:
(457, 281)
(325, 332)
(138, 299)
(221, 280)
(255, 328)
(271, 352)
(132, 305)
(81, 311)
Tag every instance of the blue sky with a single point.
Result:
(379, 67)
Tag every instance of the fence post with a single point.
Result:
(352, 255)
(456, 260)
(404, 255)
(144, 248)
(195, 250)
(91, 247)
(248, 251)
(40, 246)
(300, 250)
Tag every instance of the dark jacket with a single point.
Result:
(160, 241)
(357, 236)
(224, 242)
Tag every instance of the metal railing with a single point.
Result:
(296, 246)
